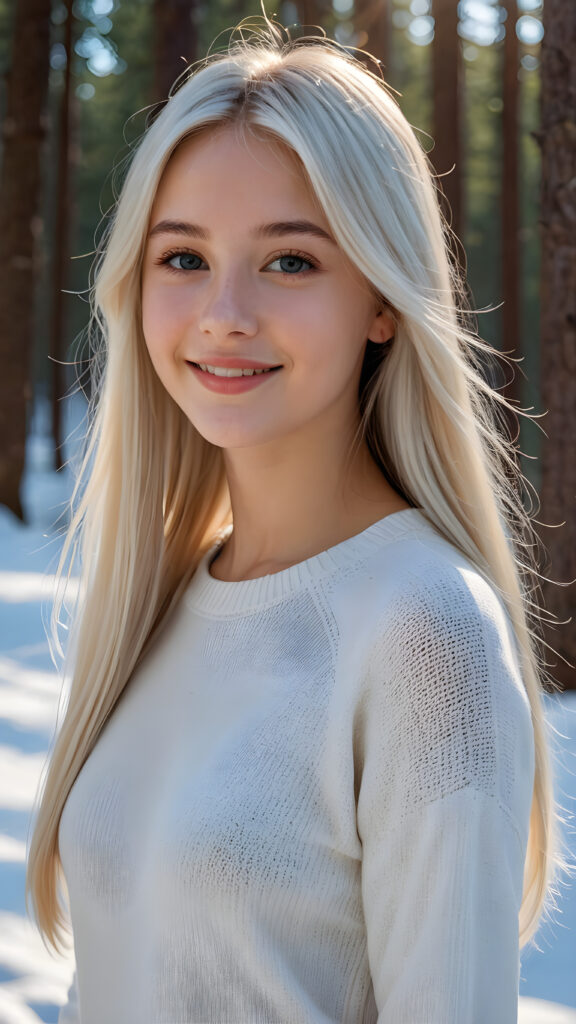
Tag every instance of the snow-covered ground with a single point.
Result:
(33, 983)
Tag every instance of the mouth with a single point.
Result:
(233, 371)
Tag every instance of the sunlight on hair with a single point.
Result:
(153, 495)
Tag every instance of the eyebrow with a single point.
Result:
(274, 230)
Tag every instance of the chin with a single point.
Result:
(231, 436)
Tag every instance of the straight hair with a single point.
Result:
(152, 493)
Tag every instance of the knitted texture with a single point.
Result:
(311, 803)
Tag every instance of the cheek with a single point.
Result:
(151, 318)
(331, 345)
(163, 322)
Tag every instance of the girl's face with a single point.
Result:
(241, 272)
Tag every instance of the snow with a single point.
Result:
(33, 982)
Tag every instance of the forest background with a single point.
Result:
(490, 88)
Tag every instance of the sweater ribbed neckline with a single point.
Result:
(225, 597)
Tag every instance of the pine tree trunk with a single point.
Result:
(61, 248)
(558, 321)
(176, 42)
(446, 84)
(510, 206)
(24, 131)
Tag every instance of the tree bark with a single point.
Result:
(446, 85)
(558, 322)
(24, 131)
(510, 203)
(176, 42)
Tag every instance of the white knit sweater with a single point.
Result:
(311, 804)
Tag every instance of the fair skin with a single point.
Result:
(287, 299)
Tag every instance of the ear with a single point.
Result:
(383, 326)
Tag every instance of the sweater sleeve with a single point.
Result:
(70, 1012)
(443, 805)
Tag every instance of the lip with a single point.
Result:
(232, 385)
(231, 362)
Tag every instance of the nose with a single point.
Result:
(228, 308)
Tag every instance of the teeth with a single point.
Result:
(229, 371)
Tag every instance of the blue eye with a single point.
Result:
(292, 264)
(184, 261)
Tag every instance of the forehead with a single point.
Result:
(224, 167)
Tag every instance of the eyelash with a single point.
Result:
(164, 261)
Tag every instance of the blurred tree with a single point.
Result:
(372, 23)
(61, 238)
(510, 205)
(313, 12)
(529, 189)
(408, 71)
(446, 86)
(175, 41)
(482, 180)
(558, 320)
(23, 136)
(112, 99)
(216, 19)
(6, 28)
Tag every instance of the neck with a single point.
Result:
(289, 503)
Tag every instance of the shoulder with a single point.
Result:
(443, 704)
(429, 601)
(414, 593)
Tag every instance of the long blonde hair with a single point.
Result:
(152, 494)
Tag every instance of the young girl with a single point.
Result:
(302, 777)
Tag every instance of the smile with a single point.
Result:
(231, 380)
(232, 371)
